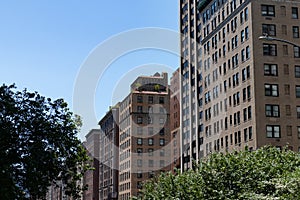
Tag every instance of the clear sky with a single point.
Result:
(45, 44)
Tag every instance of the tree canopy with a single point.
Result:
(267, 173)
(38, 145)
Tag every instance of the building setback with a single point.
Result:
(237, 90)
(91, 177)
(144, 133)
(109, 154)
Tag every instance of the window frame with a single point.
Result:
(268, 10)
(295, 30)
(270, 110)
(269, 29)
(162, 142)
(139, 99)
(297, 91)
(295, 15)
(269, 70)
(139, 141)
(269, 49)
(297, 71)
(272, 131)
(270, 91)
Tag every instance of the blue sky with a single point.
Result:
(44, 44)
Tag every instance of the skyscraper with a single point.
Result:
(237, 90)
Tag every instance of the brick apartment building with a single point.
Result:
(237, 90)
(91, 177)
(144, 133)
(175, 119)
(109, 155)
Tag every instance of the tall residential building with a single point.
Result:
(144, 133)
(175, 119)
(109, 154)
(237, 90)
(91, 177)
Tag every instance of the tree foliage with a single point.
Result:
(38, 145)
(266, 173)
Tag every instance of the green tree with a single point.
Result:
(266, 173)
(38, 145)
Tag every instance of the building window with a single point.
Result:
(150, 130)
(268, 10)
(140, 109)
(245, 135)
(150, 141)
(298, 129)
(245, 114)
(139, 174)
(246, 11)
(295, 31)
(161, 141)
(247, 52)
(249, 113)
(243, 55)
(139, 151)
(150, 120)
(161, 163)
(269, 29)
(139, 120)
(150, 99)
(242, 36)
(139, 185)
(250, 133)
(140, 141)
(150, 163)
(139, 162)
(273, 131)
(139, 130)
(269, 49)
(249, 92)
(150, 109)
(140, 99)
(272, 90)
(161, 120)
(162, 152)
(246, 73)
(297, 71)
(247, 32)
(162, 110)
(162, 131)
(150, 152)
(151, 174)
(296, 52)
(294, 12)
(298, 112)
(272, 110)
(270, 70)
(161, 100)
(298, 91)
(244, 94)
(242, 17)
